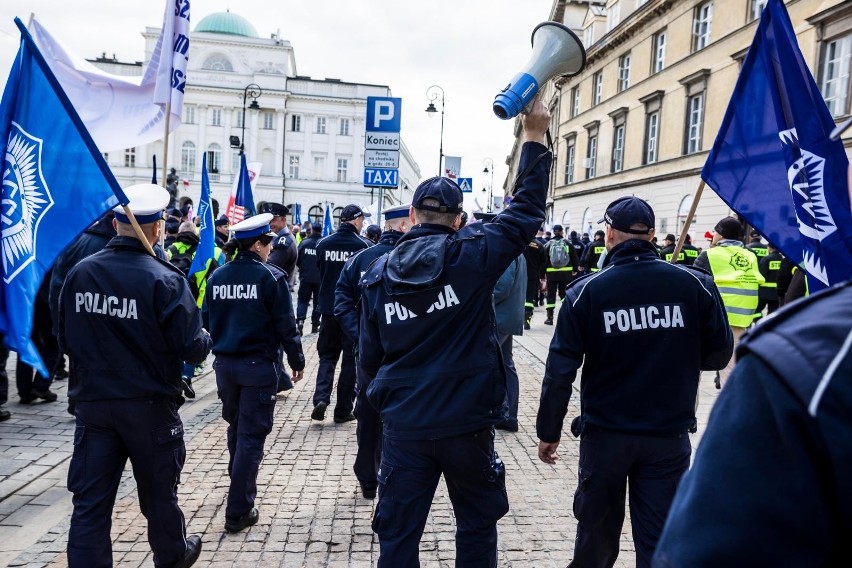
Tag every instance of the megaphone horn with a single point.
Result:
(556, 51)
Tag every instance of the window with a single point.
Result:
(652, 138)
(268, 120)
(619, 122)
(187, 157)
(295, 123)
(217, 63)
(320, 125)
(294, 167)
(836, 70)
(189, 114)
(570, 159)
(694, 123)
(319, 167)
(239, 120)
(342, 167)
(315, 214)
(701, 20)
(755, 8)
(623, 72)
(613, 16)
(575, 101)
(214, 158)
(344, 127)
(592, 150)
(235, 162)
(597, 88)
(130, 158)
(658, 58)
(216, 117)
(589, 36)
(335, 215)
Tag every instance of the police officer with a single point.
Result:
(285, 251)
(593, 253)
(642, 330)
(667, 252)
(558, 277)
(347, 294)
(250, 316)
(756, 245)
(690, 251)
(309, 279)
(332, 253)
(429, 349)
(536, 260)
(126, 321)
(770, 267)
(787, 409)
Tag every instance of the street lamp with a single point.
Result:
(254, 91)
(489, 168)
(433, 93)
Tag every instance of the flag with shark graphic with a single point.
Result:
(773, 162)
(55, 184)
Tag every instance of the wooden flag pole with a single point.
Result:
(166, 167)
(138, 230)
(682, 238)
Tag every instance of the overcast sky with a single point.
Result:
(471, 48)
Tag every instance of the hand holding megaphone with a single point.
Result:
(535, 121)
(556, 51)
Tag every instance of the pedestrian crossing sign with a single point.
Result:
(466, 185)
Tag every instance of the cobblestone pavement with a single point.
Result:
(311, 512)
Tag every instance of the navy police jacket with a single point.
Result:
(249, 311)
(770, 483)
(428, 342)
(332, 253)
(284, 252)
(127, 320)
(642, 329)
(307, 261)
(348, 293)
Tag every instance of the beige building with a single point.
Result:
(642, 116)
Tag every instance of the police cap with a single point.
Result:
(444, 190)
(396, 212)
(147, 202)
(276, 209)
(253, 227)
(627, 211)
(222, 221)
(352, 212)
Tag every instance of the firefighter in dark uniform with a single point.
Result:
(347, 296)
(690, 251)
(309, 280)
(285, 251)
(126, 321)
(536, 263)
(778, 447)
(769, 266)
(667, 252)
(558, 277)
(593, 253)
(249, 313)
(666, 323)
(429, 351)
(332, 253)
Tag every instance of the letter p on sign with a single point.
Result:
(384, 114)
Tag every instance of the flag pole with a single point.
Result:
(165, 167)
(138, 230)
(682, 238)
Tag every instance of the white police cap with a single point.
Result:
(253, 227)
(396, 212)
(146, 200)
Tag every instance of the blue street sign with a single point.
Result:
(384, 114)
(466, 185)
(380, 177)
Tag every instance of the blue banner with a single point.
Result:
(327, 226)
(773, 162)
(297, 217)
(244, 197)
(55, 184)
(207, 244)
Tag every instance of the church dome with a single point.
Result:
(226, 23)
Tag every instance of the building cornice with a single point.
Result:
(627, 28)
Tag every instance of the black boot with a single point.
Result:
(549, 320)
(300, 324)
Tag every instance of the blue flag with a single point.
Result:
(773, 162)
(327, 226)
(244, 197)
(206, 246)
(55, 184)
(297, 218)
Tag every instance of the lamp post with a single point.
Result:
(488, 164)
(254, 91)
(433, 93)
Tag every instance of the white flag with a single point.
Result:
(120, 111)
(452, 167)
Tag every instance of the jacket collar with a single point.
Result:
(390, 237)
(248, 255)
(630, 250)
(426, 229)
(188, 238)
(126, 242)
(347, 228)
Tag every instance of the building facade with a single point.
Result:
(642, 116)
(244, 90)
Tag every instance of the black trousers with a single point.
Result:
(369, 436)
(554, 286)
(307, 290)
(331, 343)
(48, 348)
(608, 462)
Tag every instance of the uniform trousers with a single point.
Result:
(513, 389)
(307, 290)
(47, 346)
(330, 344)
(368, 432)
(610, 460)
(556, 283)
(533, 288)
(408, 477)
(108, 432)
(247, 388)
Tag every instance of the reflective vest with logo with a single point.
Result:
(198, 281)
(738, 279)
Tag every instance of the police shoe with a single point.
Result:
(186, 384)
(319, 411)
(343, 419)
(368, 491)
(4, 415)
(193, 550)
(46, 395)
(549, 320)
(314, 327)
(300, 325)
(527, 323)
(247, 520)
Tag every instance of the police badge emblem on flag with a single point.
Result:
(26, 198)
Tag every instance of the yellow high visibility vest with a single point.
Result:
(738, 279)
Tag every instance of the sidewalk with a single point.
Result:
(311, 511)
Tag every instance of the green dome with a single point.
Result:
(226, 23)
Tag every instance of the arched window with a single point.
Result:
(214, 158)
(588, 219)
(217, 62)
(315, 214)
(187, 158)
(335, 215)
(683, 211)
(566, 219)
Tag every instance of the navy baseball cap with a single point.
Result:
(627, 211)
(444, 190)
(352, 212)
(557, 228)
(316, 228)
